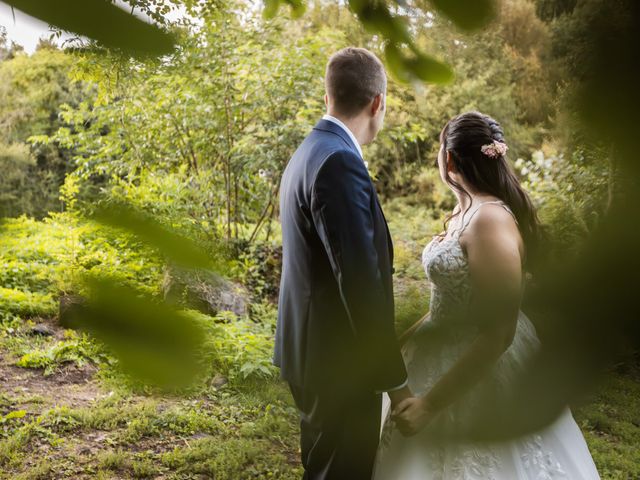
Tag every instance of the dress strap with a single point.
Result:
(466, 221)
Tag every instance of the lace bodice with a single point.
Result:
(447, 268)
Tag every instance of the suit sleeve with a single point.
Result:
(342, 210)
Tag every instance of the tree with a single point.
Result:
(31, 90)
(222, 115)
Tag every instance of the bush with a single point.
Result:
(26, 303)
(240, 348)
(262, 265)
(78, 349)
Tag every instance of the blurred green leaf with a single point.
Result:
(271, 8)
(396, 63)
(298, 7)
(102, 21)
(591, 320)
(153, 342)
(429, 69)
(468, 15)
(419, 66)
(177, 248)
(377, 18)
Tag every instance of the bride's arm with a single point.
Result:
(493, 250)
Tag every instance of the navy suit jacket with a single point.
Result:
(336, 312)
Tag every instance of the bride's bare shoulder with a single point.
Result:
(494, 223)
(492, 215)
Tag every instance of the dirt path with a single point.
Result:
(70, 386)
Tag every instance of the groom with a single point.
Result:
(335, 340)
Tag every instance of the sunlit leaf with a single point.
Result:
(418, 66)
(153, 342)
(271, 8)
(468, 15)
(377, 18)
(177, 248)
(298, 7)
(15, 414)
(113, 27)
(429, 69)
(396, 63)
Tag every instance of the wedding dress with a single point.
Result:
(559, 451)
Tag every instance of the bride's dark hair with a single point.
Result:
(463, 137)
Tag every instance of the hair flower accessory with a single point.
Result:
(494, 149)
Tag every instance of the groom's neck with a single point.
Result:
(358, 126)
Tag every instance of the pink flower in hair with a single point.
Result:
(494, 149)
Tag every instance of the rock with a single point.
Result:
(219, 381)
(85, 451)
(205, 291)
(42, 330)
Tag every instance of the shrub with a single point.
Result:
(26, 303)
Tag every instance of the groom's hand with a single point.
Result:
(412, 415)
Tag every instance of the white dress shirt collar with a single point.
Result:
(346, 129)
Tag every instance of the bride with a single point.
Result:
(475, 340)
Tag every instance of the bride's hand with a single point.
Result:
(412, 415)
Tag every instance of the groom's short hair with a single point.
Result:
(354, 76)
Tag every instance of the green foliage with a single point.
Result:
(241, 348)
(500, 72)
(30, 252)
(377, 17)
(152, 341)
(413, 226)
(31, 90)
(45, 258)
(235, 459)
(13, 442)
(61, 252)
(260, 268)
(14, 414)
(199, 119)
(26, 303)
(178, 249)
(571, 195)
(208, 145)
(75, 349)
(247, 435)
(611, 422)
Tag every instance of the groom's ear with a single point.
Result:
(377, 104)
(326, 100)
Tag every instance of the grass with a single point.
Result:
(611, 424)
(229, 433)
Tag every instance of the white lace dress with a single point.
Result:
(557, 452)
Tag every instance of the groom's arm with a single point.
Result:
(341, 206)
